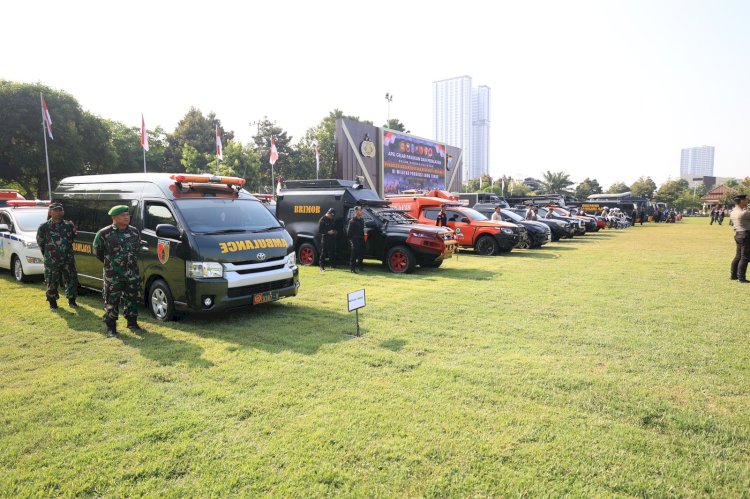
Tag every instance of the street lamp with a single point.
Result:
(388, 98)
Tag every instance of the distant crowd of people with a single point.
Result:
(718, 214)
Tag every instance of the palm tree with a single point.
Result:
(556, 182)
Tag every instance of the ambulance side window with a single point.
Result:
(454, 216)
(156, 214)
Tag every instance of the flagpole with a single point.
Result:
(144, 160)
(46, 155)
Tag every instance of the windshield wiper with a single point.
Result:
(268, 229)
(226, 231)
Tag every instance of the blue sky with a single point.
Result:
(604, 89)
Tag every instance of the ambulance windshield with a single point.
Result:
(226, 216)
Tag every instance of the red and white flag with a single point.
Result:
(274, 153)
(218, 144)
(144, 134)
(46, 118)
(278, 184)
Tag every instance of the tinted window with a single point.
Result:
(431, 214)
(225, 215)
(453, 216)
(158, 214)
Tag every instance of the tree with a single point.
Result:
(556, 182)
(643, 187)
(395, 124)
(324, 135)
(670, 191)
(517, 188)
(618, 188)
(587, 188)
(200, 133)
(81, 140)
(262, 146)
(128, 154)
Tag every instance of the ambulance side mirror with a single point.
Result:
(4, 228)
(168, 231)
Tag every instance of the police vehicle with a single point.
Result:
(19, 252)
(209, 245)
(391, 236)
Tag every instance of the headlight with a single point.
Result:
(204, 269)
(291, 259)
(505, 230)
(30, 244)
(426, 235)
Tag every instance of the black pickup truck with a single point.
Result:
(391, 236)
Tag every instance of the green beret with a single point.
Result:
(55, 205)
(117, 210)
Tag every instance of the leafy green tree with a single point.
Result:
(643, 187)
(324, 135)
(199, 132)
(587, 188)
(262, 146)
(128, 154)
(395, 124)
(618, 188)
(670, 191)
(81, 140)
(556, 182)
(517, 188)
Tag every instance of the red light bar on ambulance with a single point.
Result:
(15, 202)
(207, 179)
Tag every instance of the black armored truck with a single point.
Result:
(391, 236)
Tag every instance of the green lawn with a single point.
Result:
(608, 365)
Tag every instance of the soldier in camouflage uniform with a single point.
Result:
(55, 239)
(117, 246)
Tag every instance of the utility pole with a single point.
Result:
(389, 99)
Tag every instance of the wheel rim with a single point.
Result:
(306, 256)
(159, 303)
(485, 247)
(398, 262)
(17, 269)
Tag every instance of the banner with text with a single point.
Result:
(412, 163)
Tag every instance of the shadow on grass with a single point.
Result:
(446, 270)
(274, 327)
(166, 351)
(394, 344)
(536, 253)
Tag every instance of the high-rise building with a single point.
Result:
(697, 162)
(480, 131)
(461, 118)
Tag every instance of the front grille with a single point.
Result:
(259, 288)
(256, 270)
(251, 262)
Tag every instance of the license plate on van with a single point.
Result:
(259, 298)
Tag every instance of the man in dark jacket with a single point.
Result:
(356, 234)
(442, 218)
(327, 231)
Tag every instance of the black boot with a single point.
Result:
(133, 324)
(53, 304)
(111, 328)
(72, 302)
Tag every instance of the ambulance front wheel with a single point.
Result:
(307, 254)
(160, 301)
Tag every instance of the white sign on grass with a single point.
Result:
(356, 300)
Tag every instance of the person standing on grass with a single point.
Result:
(642, 215)
(713, 216)
(327, 231)
(55, 239)
(117, 245)
(740, 217)
(722, 214)
(356, 235)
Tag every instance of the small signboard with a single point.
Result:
(356, 300)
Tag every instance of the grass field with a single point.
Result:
(616, 364)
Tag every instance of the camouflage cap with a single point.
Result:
(54, 206)
(118, 210)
